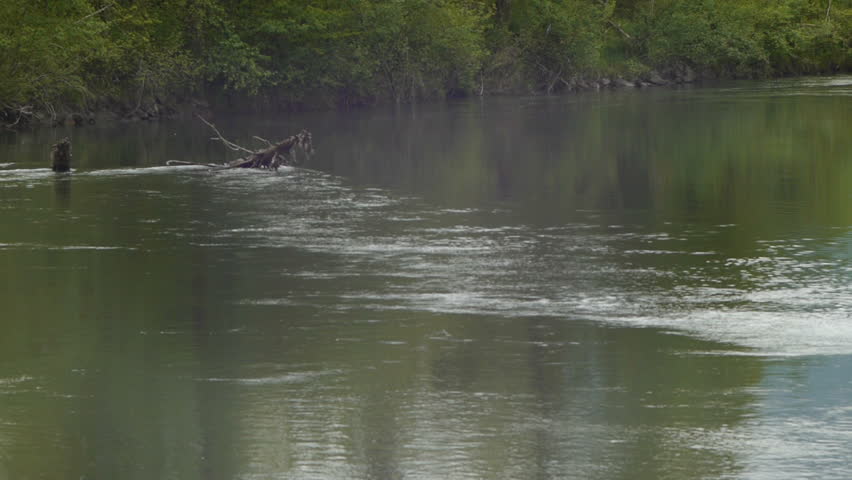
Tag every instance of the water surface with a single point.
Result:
(634, 284)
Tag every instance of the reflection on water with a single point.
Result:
(62, 191)
(635, 285)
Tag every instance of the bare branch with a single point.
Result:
(620, 30)
(261, 139)
(95, 13)
(231, 145)
(173, 163)
(141, 92)
(615, 25)
(26, 110)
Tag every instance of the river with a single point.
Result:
(648, 284)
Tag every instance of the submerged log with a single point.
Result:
(272, 157)
(60, 156)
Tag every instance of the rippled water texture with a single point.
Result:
(638, 285)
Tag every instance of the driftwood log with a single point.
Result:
(274, 155)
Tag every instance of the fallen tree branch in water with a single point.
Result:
(178, 163)
(275, 155)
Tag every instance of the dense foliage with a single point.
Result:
(140, 54)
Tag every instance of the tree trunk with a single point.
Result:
(60, 156)
(270, 158)
(276, 155)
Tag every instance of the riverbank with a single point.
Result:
(112, 112)
(143, 60)
(20, 117)
(27, 116)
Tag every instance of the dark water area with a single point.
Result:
(643, 284)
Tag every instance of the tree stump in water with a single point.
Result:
(60, 156)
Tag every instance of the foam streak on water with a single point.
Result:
(788, 296)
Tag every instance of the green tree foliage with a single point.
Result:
(746, 38)
(137, 53)
(559, 38)
(76, 53)
(422, 47)
(349, 52)
(704, 33)
(42, 58)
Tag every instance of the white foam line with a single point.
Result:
(35, 246)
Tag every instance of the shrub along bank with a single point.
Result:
(141, 58)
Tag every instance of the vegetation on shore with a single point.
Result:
(139, 57)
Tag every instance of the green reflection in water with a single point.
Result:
(754, 155)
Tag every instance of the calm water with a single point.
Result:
(624, 285)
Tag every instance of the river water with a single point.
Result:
(632, 285)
